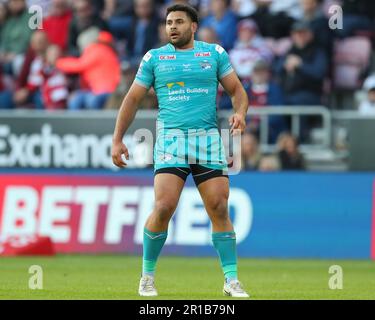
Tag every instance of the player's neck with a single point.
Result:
(188, 46)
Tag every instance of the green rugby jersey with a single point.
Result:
(185, 82)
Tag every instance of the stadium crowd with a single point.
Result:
(85, 53)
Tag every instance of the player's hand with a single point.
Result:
(119, 149)
(237, 123)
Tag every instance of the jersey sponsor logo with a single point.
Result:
(202, 54)
(147, 56)
(171, 84)
(167, 57)
(205, 65)
(219, 49)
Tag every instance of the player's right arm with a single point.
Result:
(125, 117)
(142, 83)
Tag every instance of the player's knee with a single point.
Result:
(164, 209)
(219, 206)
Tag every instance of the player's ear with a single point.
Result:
(194, 27)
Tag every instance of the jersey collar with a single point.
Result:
(173, 48)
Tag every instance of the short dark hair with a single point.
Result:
(190, 11)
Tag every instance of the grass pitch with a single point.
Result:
(117, 277)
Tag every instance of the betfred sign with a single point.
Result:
(104, 214)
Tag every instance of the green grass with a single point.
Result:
(116, 277)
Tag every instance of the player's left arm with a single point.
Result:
(240, 101)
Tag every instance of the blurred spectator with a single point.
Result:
(56, 25)
(303, 68)
(271, 24)
(289, 155)
(54, 87)
(314, 15)
(243, 8)
(99, 69)
(6, 99)
(269, 162)
(208, 35)
(248, 49)
(358, 15)
(15, 37)
(84, 18)
(223, 21)
(250, 152)
(262, 91)
(116, 8)
(138, 30)
(367, 107)
(44, 4)
(29, 93)
(3, 15)
(162, 35)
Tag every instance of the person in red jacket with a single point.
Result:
(56, 25)
(99, 68)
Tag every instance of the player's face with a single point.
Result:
(180, 29)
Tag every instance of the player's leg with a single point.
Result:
(213, 186)
(167, 186)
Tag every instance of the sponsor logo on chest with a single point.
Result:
(167, 57)
(202, 54)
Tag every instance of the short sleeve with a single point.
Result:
(224, 65)
(145, 74)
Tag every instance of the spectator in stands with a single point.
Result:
(45, 5)
(248, 49)
(6, 99)
(223, 21)
(250, 151)
(114, 9)
(54, 86)
(314, 15)
(137, 30)
(263, 91)
(56, 25)
(3, 15)
(367, 107)
(29, 93)
(15, 37)
(208, 35)
(84, 18)
(162, 35)
(269, 162)
(271, 24)
(289, 156)
(99, 69)
(358, 15)
(302, 70)
(243, 8)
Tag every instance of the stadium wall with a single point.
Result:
(294, 215)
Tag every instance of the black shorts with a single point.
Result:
(199, 172)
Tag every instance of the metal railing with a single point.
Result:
(295, 112)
